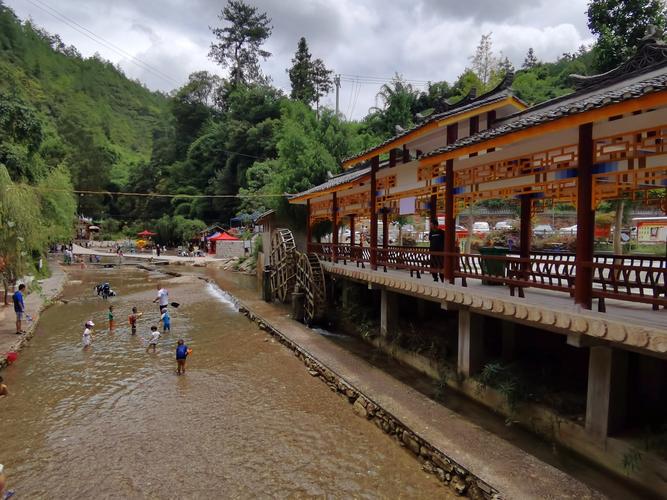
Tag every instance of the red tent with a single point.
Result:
(224, 237)
(146, 232)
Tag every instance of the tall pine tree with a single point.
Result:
(239, 43)
(300, 74)
(531, 60)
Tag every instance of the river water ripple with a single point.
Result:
(246, 421)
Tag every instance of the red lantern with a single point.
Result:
(12, 356)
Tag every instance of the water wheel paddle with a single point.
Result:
(283, 265)
(310, 281)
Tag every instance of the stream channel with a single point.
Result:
(246, 420)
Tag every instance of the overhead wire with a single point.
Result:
(157, 195)
(99, 39)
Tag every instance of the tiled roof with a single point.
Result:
(337, 180)
(571, 104)
(500, 92)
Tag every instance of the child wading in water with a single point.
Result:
(132, 318)
(155, 335)
(166, 320)
(87, 337)
(110, 317)
(182, 352)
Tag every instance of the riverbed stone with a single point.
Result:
(459, 485)
(411, 442)
(359, 409)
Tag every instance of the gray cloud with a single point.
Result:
(422, 40)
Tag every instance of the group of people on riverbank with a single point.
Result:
(182, 350)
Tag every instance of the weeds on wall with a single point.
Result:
(653, 441)
(502, 378)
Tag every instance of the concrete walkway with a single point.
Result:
(34, 304)
(104, 252)
(511, 471)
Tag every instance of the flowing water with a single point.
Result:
(245, 421)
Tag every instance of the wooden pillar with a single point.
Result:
(375, 165)
(385, 229)
(490, 118)
(583, 283)
(392, 158)
(525, 229)
(474, 124)
(406, 154)
(452, 133)
(334, 224)
(606, 399)
(433, 208)
(352, 230)
(450, 222)
(309, 229)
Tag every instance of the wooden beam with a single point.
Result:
(392, 158)
(583, 283)
(406, 154)
(656, 99)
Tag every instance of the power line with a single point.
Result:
(157, 195)
(99, 39)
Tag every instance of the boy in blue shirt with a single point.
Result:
(19, 308)
(182, 352)
(166, 320)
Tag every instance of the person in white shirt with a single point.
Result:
(88, 334)
(162, 297)
(152, 342)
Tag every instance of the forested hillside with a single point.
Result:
(83, 112)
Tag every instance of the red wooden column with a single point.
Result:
(334, 224)
(583, 283)
(392, 158)
(375, 165)
(525, 231)
(309, 229)
(385, 229)
(450, 222)
(351, 230)
(433, 208)
(406, 154)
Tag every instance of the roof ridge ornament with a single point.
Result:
(651, 53)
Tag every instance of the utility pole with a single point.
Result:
(337, 82)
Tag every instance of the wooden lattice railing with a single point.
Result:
(621, 277)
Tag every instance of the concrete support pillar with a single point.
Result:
(388, 312)
(606, 401)
(471, 343)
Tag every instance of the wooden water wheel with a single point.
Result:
(283, 264)
(310, 281)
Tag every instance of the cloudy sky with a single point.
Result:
(420, 39)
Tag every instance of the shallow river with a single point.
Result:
(245, 421)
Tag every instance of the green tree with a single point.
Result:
(322, 81)
(239, 43)
(620, 25)
(531, 60)
(398, 99)
(300, 74)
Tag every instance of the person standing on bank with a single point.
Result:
(436, 243)
(19, 308)
(162, 297)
